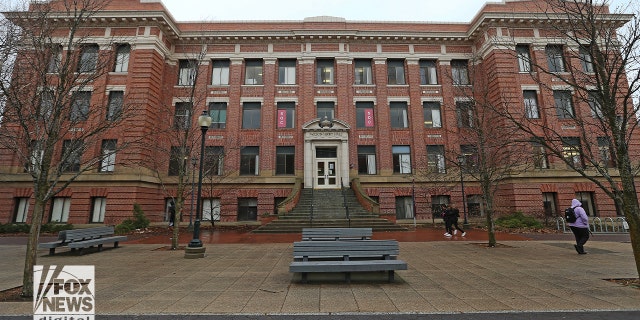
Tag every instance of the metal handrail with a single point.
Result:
(344, 202)
(312, 203)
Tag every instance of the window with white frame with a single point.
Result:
(401, 159)
(80, 102)
(286, 115)
(325, 109)
(399, 116)
(213, 160)
(249, 161)
(431, 113)
(182, 117)
(60, 210)
(367, 160)
(177, 158)
(123, 52)
(460, 72)
(563, 104)
(116, 102)
(585, 58)
(251, 115)
(555, 58)
(286, 71)
(285, 160)
(187, 72)
(364, 114)
(46, 103)
(395, 71)
(99, 209)
(572, 152)
(325, 71)
(37, 154)
(211, 209)
(253, 72)
(21, 210)
(435, 159)
(108, 162)
(404, 207)
(470, 159)
(363, 74)
(220, 73)
(428, 72)
(88, 61)
(531, 104)
(594, 105)
(605, 150)
(55, 58)
(524, 58)
(247, 209)
(218, 114)
(540, 158)
(71, 155)
(464, 111)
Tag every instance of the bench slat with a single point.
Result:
(347, 266)
(313, 234)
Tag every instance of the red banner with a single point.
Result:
(368, 118)
(282, 118)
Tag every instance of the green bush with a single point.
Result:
(55, 227)
(25, 228)
(139, 221)
(518, 220)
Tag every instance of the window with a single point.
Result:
(395, 71)
(108, 155)
(364, 115)
(46, 103)
(220, 74)
(211, 209)
(436, 205)
(325, 109)
(460, 72)
(253, 72)
(428, 72)
(324, 72)
(122, 58)
(540, 159)
(549, 204)
(37, 153)
(251, 115)
(177, 158)
(187, 72)
(363, 74)
(585, 59)
(286, 114)
(247, 209)
(98, 210)
(60, 209)
(213, 160)
(71, 155)
(469, 154)
(21, 210)
(524, 58)
(555, 58)
(366, 159)
(435, 159)
(531, 104)
(605, 150)
(401, 159)
(182, 118)
(249, 157)
(88, 58)
(564, 105)
(571, 151)
(399, 117)
(287, 71)
(431, 112)
(404, 207)
(55, 58)
(464, 110)
(116, 101)
(285, 160)
(218, 114)
(594, 105)
(80, 101)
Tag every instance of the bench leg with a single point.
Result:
(115, 244)
(52, 251)
(99, 247)
(304, 277)
(347, 277)
(391, 275)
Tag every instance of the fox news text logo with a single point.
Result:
(63, 292)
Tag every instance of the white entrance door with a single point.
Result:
(326, 176)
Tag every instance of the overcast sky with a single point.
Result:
(389, 10)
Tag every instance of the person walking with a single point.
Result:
(446, 217)
(455, 214)
(580, 227)
(172, 213)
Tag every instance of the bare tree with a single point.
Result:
(51, 120)
(595, 56)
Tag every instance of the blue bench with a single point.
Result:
(346, 257)
(78, 239)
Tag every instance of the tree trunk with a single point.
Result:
(32, 248)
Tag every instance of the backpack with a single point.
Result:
(570, 215)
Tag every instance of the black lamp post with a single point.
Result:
(194, 160)
(464, 198)
(204, 121)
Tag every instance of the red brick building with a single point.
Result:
(391, 93)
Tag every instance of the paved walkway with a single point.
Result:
(447, 276)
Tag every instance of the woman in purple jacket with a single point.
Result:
(580, 227)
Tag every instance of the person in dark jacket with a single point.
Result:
(580, 227)
(455, 214)
(446, 217)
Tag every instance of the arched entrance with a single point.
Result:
(326, 154)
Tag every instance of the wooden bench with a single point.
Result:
(83, 238)
(346, 256)
(315, 234)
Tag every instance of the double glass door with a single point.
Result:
(326, 173)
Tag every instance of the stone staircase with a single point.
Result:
(328, 212)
